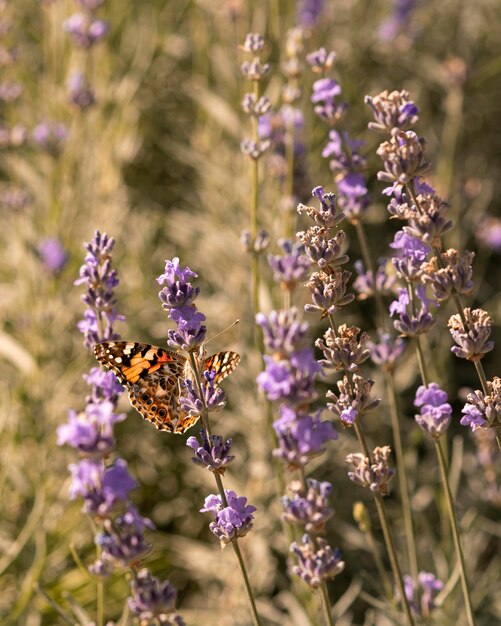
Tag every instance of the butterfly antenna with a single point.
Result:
(237, 321)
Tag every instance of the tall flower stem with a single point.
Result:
(366, 255)
(402, 478)
(326, 605)
(455, 531)
(219, 482)
(390, 547)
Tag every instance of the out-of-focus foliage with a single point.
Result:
(156, 164)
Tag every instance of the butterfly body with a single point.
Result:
(154, 376)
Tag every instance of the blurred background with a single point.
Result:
(138, 134)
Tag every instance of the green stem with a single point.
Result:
(364, 248)
(402, 477)
(390, 547)
(219, 482)
(326, 605)
(250, 595)
(455, 531)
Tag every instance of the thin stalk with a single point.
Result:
(326, 605)
(402, 477)
(219, 482)
(455, 531)
(390, 547)
(364, 248)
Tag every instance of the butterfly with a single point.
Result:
(153, 377)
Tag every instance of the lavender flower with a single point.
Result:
(373, 472)
(101, 279)
(231, 520)
(54, 256)
(422, 600)
(153, 600)
(328, 292)
(308, 508)
(102, 488)
(178, 300)
(309, 11)
(435, 415)
(328, 215)
(392, 110)
(211, 453)
(80, 93)
(471, 336)
(283, 333)
(320, 60)
(213, 398)
(452, 274)
(50, 136)
(353, 400)
(317, 562)
(365, 283)
(387, 351)
(343, 350)
(483, 410)
(122, 541)
(325, 92)
(412, 322)
(291, 268)
(301, 436)
(292, 379)
(411, 254)
(85, 30)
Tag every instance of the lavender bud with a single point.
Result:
(328, 292)
(353, 400)
(211, 453)
(320, 60)
(153, 600)
(483, 410)
(343, 350)
(321, 249)
(317, 562)
(422, 600)
(233, 520)
(403, 158)
(308, 508)
(290, 268)
(452, 275)
(254, 149)
(387, 351)
(429, 219)
(374, 473)
(327, 216)
(283, 333)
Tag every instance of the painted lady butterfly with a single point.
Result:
(153, 378)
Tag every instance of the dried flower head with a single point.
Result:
(483, 410)
(344, 349)
(451, 273)
(353, 400)
(392, 110)
(373, 472)
(472, 337)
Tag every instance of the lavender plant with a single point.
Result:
(104, 486)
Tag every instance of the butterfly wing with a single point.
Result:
(151, 375)
(224, 363)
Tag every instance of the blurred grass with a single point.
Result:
(156, 164)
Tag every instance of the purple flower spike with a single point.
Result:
(231, 521)
(153, 600)
(317, 562)
(308, 12)
(392, 110)
(178, 300)
(387, 351)
(435, 415)
(328, 215)
(301, 436)
(85, 30)
(214, 456)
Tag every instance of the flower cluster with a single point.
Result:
(345, 159)
(422, 599)
(178, 300)
(103, 486)
(232, 516)
(435, 413)
(289, 378)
